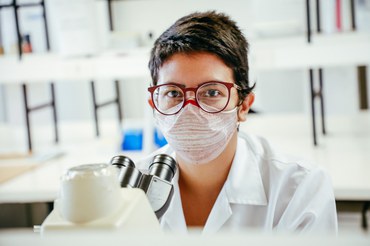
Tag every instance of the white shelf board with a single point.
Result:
(342, 49)
(50, 67)
(292, 52)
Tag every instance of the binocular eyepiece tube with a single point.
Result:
(162, 166)
(128, 176)
(156, 183)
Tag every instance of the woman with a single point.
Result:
(200, 93)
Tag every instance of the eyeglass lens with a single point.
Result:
(211, 97)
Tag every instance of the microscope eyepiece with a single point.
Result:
(121, 160)
(163, 166)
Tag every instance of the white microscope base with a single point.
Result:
(135, 214)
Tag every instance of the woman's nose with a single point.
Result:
(190, 98)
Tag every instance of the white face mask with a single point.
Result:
(196, 136)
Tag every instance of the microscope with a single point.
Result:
(113, 197)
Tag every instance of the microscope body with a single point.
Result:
(113, 197)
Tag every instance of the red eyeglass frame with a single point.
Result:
(228, 85)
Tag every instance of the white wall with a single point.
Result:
(277, 91)
(2, 104)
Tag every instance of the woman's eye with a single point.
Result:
(212, 93)
(173, 93)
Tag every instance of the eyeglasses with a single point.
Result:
(212, 97)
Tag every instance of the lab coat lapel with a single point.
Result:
(243, 186)
(220, 213)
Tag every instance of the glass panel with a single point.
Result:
(168, 98)
(213, 97)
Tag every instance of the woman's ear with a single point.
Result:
(245, 106)
(150, 102)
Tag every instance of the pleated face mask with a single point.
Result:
(196, 136)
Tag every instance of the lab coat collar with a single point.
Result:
(244, 184)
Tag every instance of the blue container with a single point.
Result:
(133, 139)
(159, 139)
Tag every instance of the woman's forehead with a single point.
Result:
(193, 69)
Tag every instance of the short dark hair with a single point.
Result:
(208, 32)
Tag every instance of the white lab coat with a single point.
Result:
(264, 190)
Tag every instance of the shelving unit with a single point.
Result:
(28, 109)
(117, 99)
(313, 53)
(318, 94)
(346, 49)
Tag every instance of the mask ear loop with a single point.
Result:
(238, 124)
(238, 106)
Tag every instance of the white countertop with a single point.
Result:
(248, 237)
(78, 146)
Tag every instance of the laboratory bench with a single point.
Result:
(344, 153)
